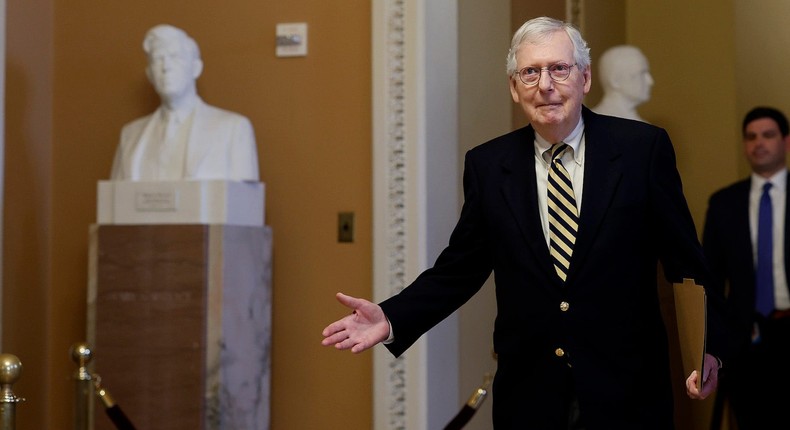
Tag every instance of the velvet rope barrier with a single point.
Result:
(114, 412)
(470, 407)
(88, 384)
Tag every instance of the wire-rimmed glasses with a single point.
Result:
(558, 72)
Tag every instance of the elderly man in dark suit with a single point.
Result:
(732, 239)
(574, 246)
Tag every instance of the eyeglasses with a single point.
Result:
(558, 72)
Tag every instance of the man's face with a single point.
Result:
(171, 69)
(553, 108)
(764, 146)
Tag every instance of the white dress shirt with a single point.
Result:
(573, 161)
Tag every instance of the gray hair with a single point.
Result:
(164, 32)
(538, 29)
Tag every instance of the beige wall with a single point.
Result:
(761, 62)
(28, 296)
(76, 75)
(603, 25)
(698, 109)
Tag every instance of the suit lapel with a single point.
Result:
(740, 217)
(520, 191)
(602, 173)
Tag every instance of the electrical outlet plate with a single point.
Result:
(291, 39)
(345, 227)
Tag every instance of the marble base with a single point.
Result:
(179, 318)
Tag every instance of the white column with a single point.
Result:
(415, 203)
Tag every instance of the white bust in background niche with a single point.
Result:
(625, 77)
(185, 138)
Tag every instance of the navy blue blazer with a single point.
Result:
(605, 322)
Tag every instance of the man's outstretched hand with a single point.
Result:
(365, 327)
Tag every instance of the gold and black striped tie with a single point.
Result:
(563, 215)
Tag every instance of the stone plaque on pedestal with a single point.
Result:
(181, 202)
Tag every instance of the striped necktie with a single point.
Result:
(563, 215)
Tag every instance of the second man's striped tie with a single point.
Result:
(563, 214)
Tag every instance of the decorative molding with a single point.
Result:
(396, 195)
(417, 390)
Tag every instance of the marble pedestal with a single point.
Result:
(179, 317)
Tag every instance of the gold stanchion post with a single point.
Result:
(84, 386)
(10, 370)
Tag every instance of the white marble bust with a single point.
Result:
(625, 77)
(185, 138)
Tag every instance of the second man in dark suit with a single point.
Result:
(731, 239)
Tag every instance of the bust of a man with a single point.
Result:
(625, 77)
(185, 138)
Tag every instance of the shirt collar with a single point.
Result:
(778, 180)
(574, 140)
